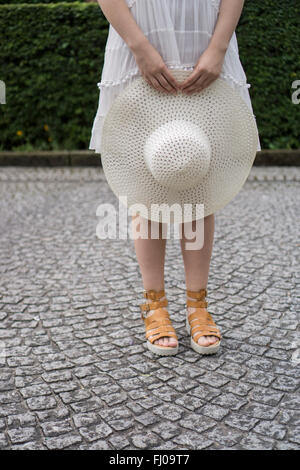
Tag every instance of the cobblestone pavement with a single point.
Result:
(75, 372)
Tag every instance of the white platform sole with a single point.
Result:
(161, 350)
(204, 350)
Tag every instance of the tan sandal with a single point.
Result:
(200, 323)
(159, 321)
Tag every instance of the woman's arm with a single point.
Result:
(209, 66)
(119, 16)
(149, 61)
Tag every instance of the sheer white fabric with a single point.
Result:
(180, 30)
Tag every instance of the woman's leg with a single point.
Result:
(196, 265)
(150, 253)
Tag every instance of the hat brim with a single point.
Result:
(140, 109)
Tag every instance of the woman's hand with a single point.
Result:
(153, 68)
(207, 69)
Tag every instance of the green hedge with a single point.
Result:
(13, 2)
(51, 58)
(269, 44)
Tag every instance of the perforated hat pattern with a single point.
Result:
(159, 148)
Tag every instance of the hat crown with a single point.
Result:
(178, 154)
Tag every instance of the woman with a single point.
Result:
(150, 38)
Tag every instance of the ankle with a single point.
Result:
(151, 300)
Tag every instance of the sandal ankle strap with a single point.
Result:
(196, 303)
(154, 294)
(153, 306)
(199, 295)
(156, 303)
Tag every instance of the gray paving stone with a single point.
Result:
(22, 435)
(286, 384)
(225, 436)
(26, 419)
(121, 424)
(241, 421)
(10, 397)
(258, 377)
(233, 371)
(10, 409)
(172, 412)
(271, 429)
(62, 442)
(115, 413)
(118, 442)
(145, 440)
(166, 429)
(168, 445)
(29, 446)
(214, 411)
(56, 428)
(266, 395)
(98, 445)
(192, 441)
(53, 414)
(56, 376)
(115, 398)
(255, 442)
(4, 444)
(229, 400)
(89, 404)
(258, 410)
(35, 391)
(70, 380)
(74, 396)
(238, 388)
(95, 432)
(189, 402)
(214, 379)
(283, 445)
(149, 402)
(59, 387)
(195, 421)
(290, 401)
(41, 403)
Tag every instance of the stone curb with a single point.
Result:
(50, 158)
(90, 158)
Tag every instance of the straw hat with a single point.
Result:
(196, 151)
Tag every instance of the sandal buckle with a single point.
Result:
(145, 307)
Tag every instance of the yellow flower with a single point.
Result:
(49, 139)
(19, 133)
(46, 127)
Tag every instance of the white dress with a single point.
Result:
(180, 31)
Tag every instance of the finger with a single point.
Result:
(164, 82)
(191, 79)
(156, 84)
(188, 82)
(161, 84)
(197, 86)
(207, 82)
(169, 77)
(148, 81)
